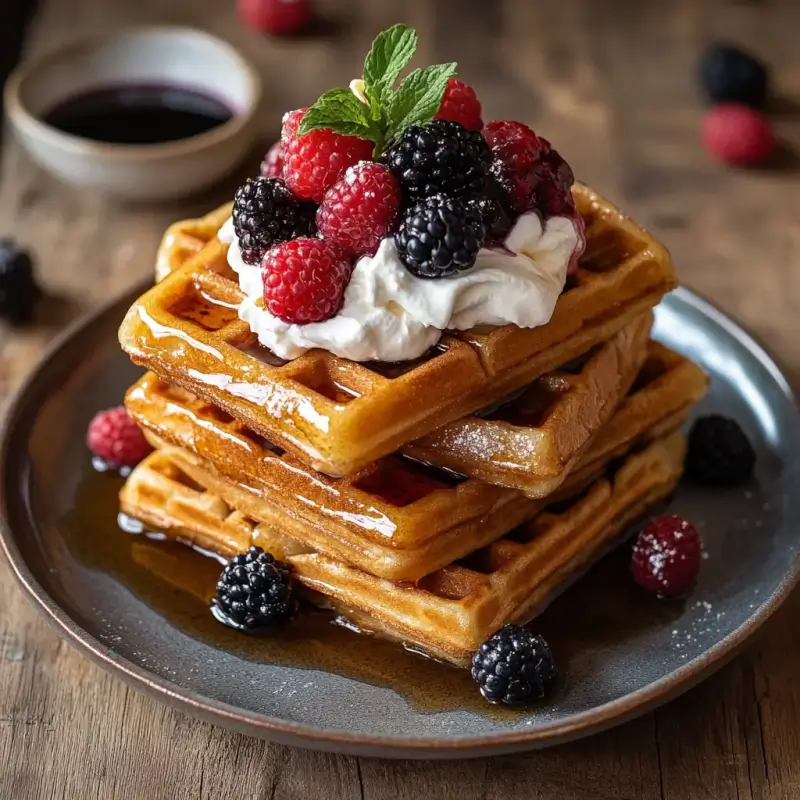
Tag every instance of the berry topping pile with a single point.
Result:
(254, 591)
(719, 452)
(408, 160)
(18, 290)
(116, 439)
(666, 556)
(514, 667)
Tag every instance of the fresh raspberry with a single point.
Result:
(290, 123)
(275, 16)
(358, 211)
(304, 280)
(736, 134)
(460, 104)
(116, 438)
(666, 556)
(516, 151)
(272, 165)
(315, 161)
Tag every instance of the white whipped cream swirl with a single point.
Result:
(390, 315)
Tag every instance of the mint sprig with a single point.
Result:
(388, 111)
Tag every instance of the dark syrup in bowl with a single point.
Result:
(138, 114)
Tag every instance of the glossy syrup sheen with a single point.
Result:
(178, 583)
(138, 114)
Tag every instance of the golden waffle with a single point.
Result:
(340, 415)
(450, 612)
(395, 519)
(187, 238)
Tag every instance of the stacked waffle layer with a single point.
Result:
(431, 501)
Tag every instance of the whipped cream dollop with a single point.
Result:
(389, 314)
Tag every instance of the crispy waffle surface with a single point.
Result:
(396, 519)
(450, 612)
(339, 415)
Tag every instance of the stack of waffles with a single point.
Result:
(430, 501)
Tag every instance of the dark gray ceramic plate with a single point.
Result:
(620, 651)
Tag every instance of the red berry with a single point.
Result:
(290, 123)
(315, 161)
(357, 212)
(666, 556)
(275, 16)
(460, 104)
(272, 165)
(116, 438)
(304, 280)
(736, 134)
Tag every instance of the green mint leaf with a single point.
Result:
(418, 97)
(342, 112)
(390, 53)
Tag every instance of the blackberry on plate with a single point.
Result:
(720, 454)
(266, 213)
(18, 289)
(729, 74)
(254, 591)
(439, 236)
(514, 667)
(441, 156)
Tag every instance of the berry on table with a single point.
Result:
(460, 104)
(720, 454)
(18, 289)
(736, 134)
(312, 163)
(265, 213)
(729, 74)
(440, 157)
(440, 236)
(514, 667)
(278, 17)
(359, 210)
(254, 591)
(116, 439)
(272, 165)
(304, 280)
(666, 556)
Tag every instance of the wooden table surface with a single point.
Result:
(611, 84)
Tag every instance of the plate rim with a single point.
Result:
(280, 730)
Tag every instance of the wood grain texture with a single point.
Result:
(611, 82)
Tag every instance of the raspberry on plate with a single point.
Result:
(304, 280)
(440, 157)
(736, 134)
(315, 161)
(460, 104)
(720, 454)
(358, 211)
(666, 556)
(272, 165)
(265, 213)
(115, 438)
(514, 667)
(278, 17)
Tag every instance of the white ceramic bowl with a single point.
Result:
(180, 57)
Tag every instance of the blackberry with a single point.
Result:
(439, 236)
(514, 667)
(18, 289)
(440, 157)
(729, 74)
(266, 213)
(496, 217)
(720, 454)
(254, 591)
